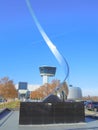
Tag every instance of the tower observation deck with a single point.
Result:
(46, 72)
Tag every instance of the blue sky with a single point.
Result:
(72, 25)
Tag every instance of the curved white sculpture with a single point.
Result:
(56, 53)
(50, 44)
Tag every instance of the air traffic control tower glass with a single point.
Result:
(47, 70)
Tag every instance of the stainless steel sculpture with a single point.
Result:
(61, 90)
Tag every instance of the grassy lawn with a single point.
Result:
(10, 105)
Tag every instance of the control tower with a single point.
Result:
(46, 72)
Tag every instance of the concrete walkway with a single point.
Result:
(11, 122)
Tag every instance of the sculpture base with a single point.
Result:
(49, 113)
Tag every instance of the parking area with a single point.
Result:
(91, 105)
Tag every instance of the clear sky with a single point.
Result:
(72, 25)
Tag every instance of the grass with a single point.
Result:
(10, 105)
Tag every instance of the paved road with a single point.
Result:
(11, 122)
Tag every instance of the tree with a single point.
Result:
(7, 88)
(44, 90)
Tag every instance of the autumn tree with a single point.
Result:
(93, 98)
(44, 90)
(7, 88)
